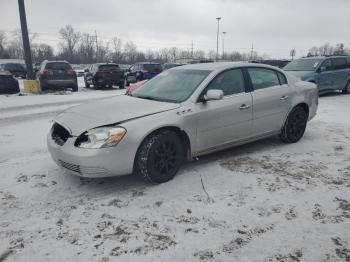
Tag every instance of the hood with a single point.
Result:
(109, 111)
(301, 74)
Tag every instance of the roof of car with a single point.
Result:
(221, 66)
(53, 61)
(148, 63)
(324, 57)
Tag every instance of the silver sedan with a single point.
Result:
(182, 113)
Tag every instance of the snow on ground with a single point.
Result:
(266, 201)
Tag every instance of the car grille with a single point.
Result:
(59, 134)
(72, 167)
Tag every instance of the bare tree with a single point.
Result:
(117, 49)
(70, 39)
(3, 53)
(130, 52)
(41, 52)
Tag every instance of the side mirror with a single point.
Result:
(214, 94)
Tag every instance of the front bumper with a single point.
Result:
(93, 163)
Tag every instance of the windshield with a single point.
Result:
(15, 67)
(58, 66)
(172, 86)
(302, 65)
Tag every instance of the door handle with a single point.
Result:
(284, 97)
(244, 106)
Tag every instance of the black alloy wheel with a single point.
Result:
(159, 157)
(295, 125)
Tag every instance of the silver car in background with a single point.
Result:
(182, 113)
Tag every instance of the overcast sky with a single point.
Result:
(272, 26)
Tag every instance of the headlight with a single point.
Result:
(101, 137)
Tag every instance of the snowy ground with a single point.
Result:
(266, 201)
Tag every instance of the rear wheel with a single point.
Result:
(159, 157)
(121, 84)
(295, 126)
(346, 89)
(75, 88)
(87, 85)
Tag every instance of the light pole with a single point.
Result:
(217, 39)
(25, 39)
(223, 44)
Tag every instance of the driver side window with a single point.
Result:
(230, 82)
(327, 65)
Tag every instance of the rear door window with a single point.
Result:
(282, 78)
(339, 63)
(263, 78)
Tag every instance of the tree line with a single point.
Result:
(83, 48)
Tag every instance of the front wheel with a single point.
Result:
(295, 126)
(346, 90)
(159, 157)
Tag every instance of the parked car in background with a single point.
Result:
(328, 73)
(36, 67)
(79, 70)
(102, 75)
(181, 113)
(8, 84)
(16, 69)
(280, 63)
(167, 66)
(57, 75)
(142, 71)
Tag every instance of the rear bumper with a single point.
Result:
(59, 83)
(104, 81)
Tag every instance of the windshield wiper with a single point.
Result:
(156, 99)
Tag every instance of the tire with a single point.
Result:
(75, 88)
(295, 126)
(126, 83)
(159, 157)
(121, 84)
(87, 85)
(346, 89)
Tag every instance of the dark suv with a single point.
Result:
(142, 71)
(102, 75)
(57, 75)
(16, 69)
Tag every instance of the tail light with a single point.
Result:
(71, 72)
(47, 72)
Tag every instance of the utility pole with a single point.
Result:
(25, 39)
(96, 46)
(192, 50)
(217, 39)
(251, 52)
(223, 45)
